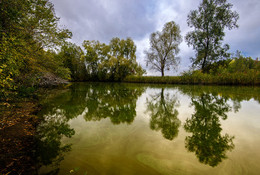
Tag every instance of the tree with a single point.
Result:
(28, 28)
(111, 62)
(123, 48)
(71, 56)
(122, 60)
(164, 48)
(241, 64)
(96, 52)
(209, 22)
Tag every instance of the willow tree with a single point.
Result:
(164, 46)
(209, 23)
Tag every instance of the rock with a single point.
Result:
(48, 79)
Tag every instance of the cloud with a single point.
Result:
(247, 37)
(102, 20)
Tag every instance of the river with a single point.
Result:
(116, 128)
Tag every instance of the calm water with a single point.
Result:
(97, 128)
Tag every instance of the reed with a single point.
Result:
(245, 78)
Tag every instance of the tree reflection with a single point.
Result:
(94, 102)
(98, 101)
(206, 140)
(50, 149)
(236, 94)
(116, 101)
(164, 116)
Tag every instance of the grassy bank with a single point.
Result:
(250, 78)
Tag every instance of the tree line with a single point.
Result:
(35, 51)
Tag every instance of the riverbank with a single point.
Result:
(18, 124)
(18, 128)
(200, 79)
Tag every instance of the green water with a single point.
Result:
(98, 128)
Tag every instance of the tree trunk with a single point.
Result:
(203, 65)
(162, 71)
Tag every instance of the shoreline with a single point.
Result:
(194, 80)
(18, 127)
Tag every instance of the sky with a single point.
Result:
(104, 19)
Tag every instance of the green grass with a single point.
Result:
(250, 78)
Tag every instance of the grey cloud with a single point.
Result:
(103, 20)
(247, 37)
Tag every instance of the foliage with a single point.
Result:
(243, 64)
(71, 57)
(27, 30)
(111, 62)
(164, 48)
(9, 65)
(238, 71)
(153, 79)
(209, 23)
(199, 78)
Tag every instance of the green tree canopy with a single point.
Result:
(209, 23)
(72, 57)
(27, 30)
(111, 62)
(164, 46)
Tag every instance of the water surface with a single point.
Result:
(98, 128)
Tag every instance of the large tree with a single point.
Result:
(111, 62)
(72, 57)
(164, 48)
(209, 23)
